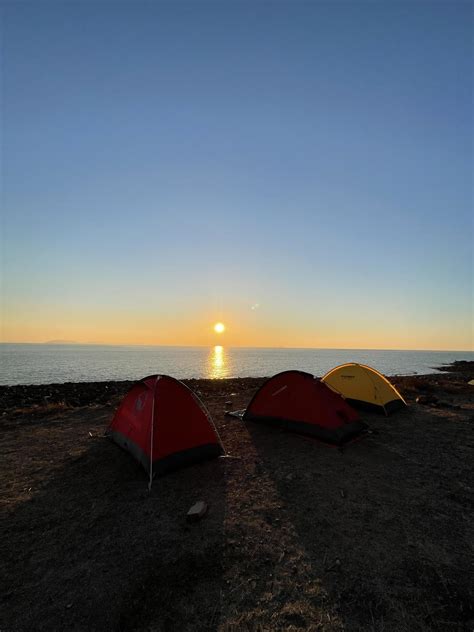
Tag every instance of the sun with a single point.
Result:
(219, 328)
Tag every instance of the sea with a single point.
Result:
(59, 363)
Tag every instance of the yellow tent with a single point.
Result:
(363, 386)
(471, 382)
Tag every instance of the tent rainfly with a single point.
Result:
(164, 425)
(299, 402)
(364, 387)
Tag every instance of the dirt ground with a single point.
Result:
(299, 535)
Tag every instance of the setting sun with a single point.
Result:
(219, 328)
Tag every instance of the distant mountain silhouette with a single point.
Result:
(60, 342)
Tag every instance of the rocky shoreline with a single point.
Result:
(463, 367)
(39, 399)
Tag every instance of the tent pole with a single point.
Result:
(152, 433)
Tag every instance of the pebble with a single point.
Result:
(197, 511)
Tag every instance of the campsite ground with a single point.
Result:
(298, 536)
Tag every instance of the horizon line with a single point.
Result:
(108, 344)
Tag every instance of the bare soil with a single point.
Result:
(299, 535)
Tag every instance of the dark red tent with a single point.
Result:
(300, 402)
(164, 425)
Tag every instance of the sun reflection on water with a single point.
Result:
(217, 362)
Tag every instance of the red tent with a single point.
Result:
(164, 425)
(300, 402)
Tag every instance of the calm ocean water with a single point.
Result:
(46, 364)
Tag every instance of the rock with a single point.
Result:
(426, 400)
(228, 404)
(197, 511)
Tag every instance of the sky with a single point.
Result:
(300, 171)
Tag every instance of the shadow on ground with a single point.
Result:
(384, 522)
(92, 549)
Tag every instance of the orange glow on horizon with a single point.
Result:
(243, 329)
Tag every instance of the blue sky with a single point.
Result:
(167, 165)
